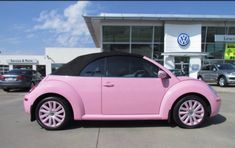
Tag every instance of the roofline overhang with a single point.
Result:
(90, 19)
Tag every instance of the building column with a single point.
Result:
(10, 67)
(169, 62)
(194, 66)
(34, 67)
(48, 67)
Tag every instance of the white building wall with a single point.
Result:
(172, 31)
(64, 55)
(9, 60)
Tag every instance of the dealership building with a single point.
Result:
(183, 42)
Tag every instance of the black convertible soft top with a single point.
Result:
(74, 67)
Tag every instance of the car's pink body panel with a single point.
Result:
(107, 98)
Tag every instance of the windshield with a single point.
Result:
(20, 72)
(226, 67)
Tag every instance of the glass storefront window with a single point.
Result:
(157, 51)
(116, 33)
(41, 69)
(142, 33)
(231, 30)
(116, 47)
(203, 34)
(22, 67)
(159, 34)
(212, 31)
(145, 50)
(215, 50)
(55, 66)
(4, 69)
(117, 38)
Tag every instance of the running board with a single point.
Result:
(121, 117)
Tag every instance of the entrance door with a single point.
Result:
(182, 63)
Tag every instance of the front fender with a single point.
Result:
(61, 88)
(182, 88)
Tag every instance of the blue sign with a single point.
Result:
(183, 39)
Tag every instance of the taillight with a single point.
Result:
(2, 77)
(20, 78)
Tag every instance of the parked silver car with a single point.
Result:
(222, 74)
(19, 78)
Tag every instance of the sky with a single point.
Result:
(28, 27)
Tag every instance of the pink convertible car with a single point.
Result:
(119, 86)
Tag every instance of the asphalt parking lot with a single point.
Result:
(17, 131)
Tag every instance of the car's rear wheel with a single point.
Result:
(6, 89)
(190, 112)
(53, 113)
(222, 81)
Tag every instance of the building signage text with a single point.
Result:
(224, 38)
(22, 61)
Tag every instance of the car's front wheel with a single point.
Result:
(53, 113)
(222, 81)
(190, 112)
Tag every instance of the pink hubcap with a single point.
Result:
(51, 113)
(191, 112)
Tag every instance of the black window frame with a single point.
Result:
(106, 67)
(101, 75)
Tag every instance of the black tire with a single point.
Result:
(6, 89)
(222, 81)
(180, 103)
(67, 113)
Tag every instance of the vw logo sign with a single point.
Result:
(183, 39)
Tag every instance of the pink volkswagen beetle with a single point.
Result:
(119, 86)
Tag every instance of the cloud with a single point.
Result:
(69, 27)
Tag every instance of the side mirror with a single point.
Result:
(162, 74)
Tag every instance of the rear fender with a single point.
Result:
(63, 89)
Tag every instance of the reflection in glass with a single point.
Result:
(116, 33)
(159, 34)
(142, 33)
(145, 50)
(116, 47)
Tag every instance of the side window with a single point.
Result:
(142, 68)
(94, 69)
(210, 67)
(205, 68)
(121, 66)
(213, 68)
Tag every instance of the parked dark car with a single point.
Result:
(222, 74)
(19, 78)
(177, 72)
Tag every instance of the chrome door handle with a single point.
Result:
(108, 85)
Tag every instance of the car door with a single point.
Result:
(213, 73)
(205, 73)
(131, 86)
(88, 86)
